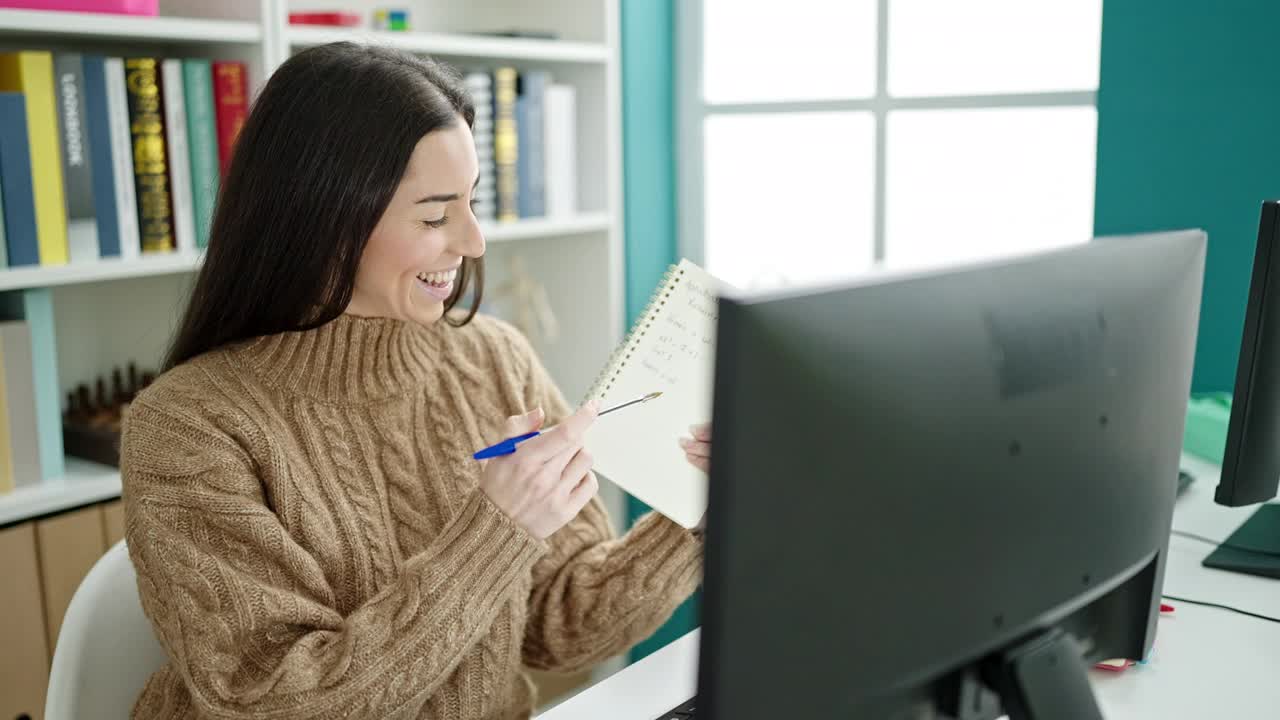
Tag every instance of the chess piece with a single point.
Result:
(117, 388)
(133, 381)
(101, 415)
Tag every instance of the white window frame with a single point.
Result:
(692, 111)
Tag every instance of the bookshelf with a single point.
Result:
(112, 311)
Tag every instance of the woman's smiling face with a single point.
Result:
(408, 267)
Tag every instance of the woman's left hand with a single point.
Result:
(697, 449)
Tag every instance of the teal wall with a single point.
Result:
(648, 142)
(1189, 136)
(649, 180)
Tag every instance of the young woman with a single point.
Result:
(311, 535)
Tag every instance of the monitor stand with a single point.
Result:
(1254, 548)
(1045, 678)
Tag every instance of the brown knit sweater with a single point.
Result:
(311, 542)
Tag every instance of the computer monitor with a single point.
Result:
(1251, 459)
(937, 493)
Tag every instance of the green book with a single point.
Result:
(17, 364)
(202, 142)
(1205, 432)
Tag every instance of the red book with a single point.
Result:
(343, 19)
(231, 98)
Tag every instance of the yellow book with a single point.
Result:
(506, 150)
(6, 450)
(31, 73)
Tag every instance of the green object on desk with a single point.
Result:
(1205, 436)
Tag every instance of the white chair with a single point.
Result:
(106, 648)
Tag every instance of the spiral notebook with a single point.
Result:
(671, 348)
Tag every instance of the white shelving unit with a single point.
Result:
(167, 264)
(109, 312)
(42, 23)
(552, 227)
(84, 483)
(108, 269)
(457, 45)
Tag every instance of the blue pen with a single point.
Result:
(508, 446)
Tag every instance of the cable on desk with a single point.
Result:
(1188, 601)
(1211, 541)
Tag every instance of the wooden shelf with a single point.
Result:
(84, 483)
(127, 27)
(456, 45)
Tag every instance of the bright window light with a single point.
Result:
(763, 51)
(981, 47)
(789, 197)
(970, 184)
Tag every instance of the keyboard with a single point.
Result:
(683, 711)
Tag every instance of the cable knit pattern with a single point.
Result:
(311, 540)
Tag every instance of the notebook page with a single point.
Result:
(672, 351)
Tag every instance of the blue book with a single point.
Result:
(531, 139)
(15, 182)
(4, 249)
(101, 162)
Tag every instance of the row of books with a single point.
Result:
(112, 157)
(526, 138)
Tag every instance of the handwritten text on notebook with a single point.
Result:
(671, 349)
(676, 341)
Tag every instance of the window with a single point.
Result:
(821, 138)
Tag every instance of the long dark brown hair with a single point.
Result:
(315, 165)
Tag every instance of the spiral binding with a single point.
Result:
(618, 360)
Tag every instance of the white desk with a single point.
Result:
(1207, 663)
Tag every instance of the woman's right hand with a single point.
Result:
(547, 480)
